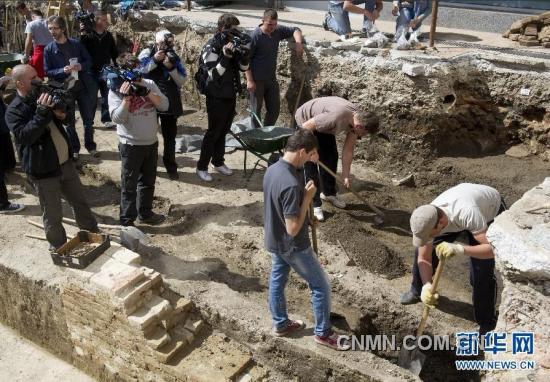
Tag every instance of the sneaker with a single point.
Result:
(290, 327)
(94, 153)
(318, 213)
(109, 125)
(223, 169)
(325, 21)
(204, 175)
(409, 298)
(173, 175)
(154, 219)
(12, 208)
(127, 223)
(334, 199)
(333, 341)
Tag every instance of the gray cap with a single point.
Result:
(423, 220)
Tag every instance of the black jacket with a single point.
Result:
(3, 127)
(102, 49)
(224, 81)
(30, 127)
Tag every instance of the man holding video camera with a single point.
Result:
(64, 58)
(35, 120)
(224, 57)
(161, 64)
(102, 48)
(133, 106)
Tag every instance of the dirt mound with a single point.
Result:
(361, 244)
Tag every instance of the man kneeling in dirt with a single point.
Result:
(328, 117)
(133, 107)
(286, 204)
(45, 155)
(466, 208)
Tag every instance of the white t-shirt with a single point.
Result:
(469, 207)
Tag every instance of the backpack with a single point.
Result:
(201, 76)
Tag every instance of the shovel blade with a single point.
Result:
(412, 360)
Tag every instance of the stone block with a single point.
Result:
(158, 338)
(546, 44)
(353, 45)
(413, 70)
(126, 256)
(518, 151)
(529, 42)
(151, 312)
(369, 51)
(115, 276)
(133, 297)
(154, 276)
(531, 30)
(194, 326)
(165, 353)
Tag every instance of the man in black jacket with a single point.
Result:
(162, 65)
(45, 155)
(102, 48)
(224, 63)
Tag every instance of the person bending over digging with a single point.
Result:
(286, 204)
(328, 117)
(466, 208)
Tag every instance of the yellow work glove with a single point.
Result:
(448, 250)
(427, 297)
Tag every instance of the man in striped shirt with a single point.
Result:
(224, 59)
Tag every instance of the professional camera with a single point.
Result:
(57, 90)
(241, 41)
(169, 48)
(86, 20)
(115, 77)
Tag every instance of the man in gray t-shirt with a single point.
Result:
(38, 36)
(261, 79)
(466, 208)
(286, 205)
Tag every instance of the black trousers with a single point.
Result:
(7, 162)
(328, 154)
(267, 91)
(137, 186)
(220, 116)
(169, 128)
(482, 279)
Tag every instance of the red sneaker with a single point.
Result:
(333, 341)
(290, 327)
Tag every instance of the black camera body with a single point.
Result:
(115, 77)
(241, 41)
(57, 90)
(169, 49)
(87, 20)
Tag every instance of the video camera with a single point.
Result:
(87, 21)
(115, 77)
(59, 92)
(169, 49)
(241, 41)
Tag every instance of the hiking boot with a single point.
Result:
(11, 208)
(290, 327)
(409, 298)
(173, 175)
(204, 175)
(333, 341)
(318, 213)
(334, 199)
(153, 219)
(223, 169)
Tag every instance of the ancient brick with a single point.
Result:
(194, 326)
(168, 351)
(115, 276)
(529, 42)
(150, 312)
(159, 338)
(124, 255)
(133, 297)
(531, 30)
(186, 334)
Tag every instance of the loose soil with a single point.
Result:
(82, 249)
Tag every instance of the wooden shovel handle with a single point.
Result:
(433, 289)
(313, 229)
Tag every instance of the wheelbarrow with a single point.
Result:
(9, 60)
(262, 141)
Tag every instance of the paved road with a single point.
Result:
(23, 361)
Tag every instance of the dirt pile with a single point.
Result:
(531, 31)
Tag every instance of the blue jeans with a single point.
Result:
(82, 98)
(99, 84)
(305, 263)
(338, 19)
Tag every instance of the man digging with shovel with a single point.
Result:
(466, 208)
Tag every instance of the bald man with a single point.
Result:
(45, 155)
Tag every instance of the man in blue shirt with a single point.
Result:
(261, 79)
(59, 64)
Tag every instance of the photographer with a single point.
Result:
(38, 36)
(224, 58)
(102, 48)
(62, 58)
(133, 108)
(45, 152)
(162, 65)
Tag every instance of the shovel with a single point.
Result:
(414, 359)
(379, 214)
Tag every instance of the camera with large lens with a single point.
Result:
(241, 42)
(86, 20)
(57, 90)
(169, 49)
(115, 77)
